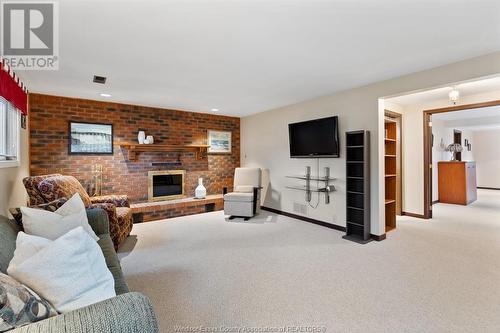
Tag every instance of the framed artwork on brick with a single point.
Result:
(90, 138)
(219, 142)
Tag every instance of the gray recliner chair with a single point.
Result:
(244, 201)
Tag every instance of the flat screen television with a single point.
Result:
(314, 138)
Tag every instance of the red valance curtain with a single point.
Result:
(12, 92)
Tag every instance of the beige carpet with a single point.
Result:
(428, 276)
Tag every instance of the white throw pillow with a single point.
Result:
(52, 225)
(69, 272)
(27, 246)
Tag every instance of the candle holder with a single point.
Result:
(97, 178)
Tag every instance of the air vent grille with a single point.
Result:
(99, 79)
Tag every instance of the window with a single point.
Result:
(9, 134)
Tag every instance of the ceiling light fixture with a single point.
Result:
(105, 95)
(215, 110)
(454, 95)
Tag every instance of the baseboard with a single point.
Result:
(435, 202)
(488, 188)
(418, 216)
(305, 218)
(317, 222)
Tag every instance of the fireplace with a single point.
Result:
(166, 185)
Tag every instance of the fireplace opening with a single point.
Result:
(165, 185)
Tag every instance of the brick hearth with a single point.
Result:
(151, 211)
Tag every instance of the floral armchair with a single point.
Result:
(51, 188)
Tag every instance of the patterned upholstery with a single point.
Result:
(51, 188)
(31, 185)
(120, 221)
(50, 206)
(125, 221)
(53, 205)
(117, 200)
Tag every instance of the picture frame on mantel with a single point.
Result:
(90, 138)
(220, 142)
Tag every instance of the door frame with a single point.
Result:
(427, 115)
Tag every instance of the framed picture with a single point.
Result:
(219, 142)
(90, 138)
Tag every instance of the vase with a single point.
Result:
(141, 136)
(200, 192)
(150, 139)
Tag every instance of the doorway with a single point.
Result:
(457, 138)
(428, 144)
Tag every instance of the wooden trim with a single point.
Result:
(391, 171)
(464, 107)
(427, 166)
(488, 188)
(399, 159)
(419, 216)
(317, 222)
(428, 148)
(134, 149)
(435, 202)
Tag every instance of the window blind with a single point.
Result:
(9, 131)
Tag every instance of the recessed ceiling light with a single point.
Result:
(215, 110)
(105, 95)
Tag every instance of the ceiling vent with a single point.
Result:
(99, 79)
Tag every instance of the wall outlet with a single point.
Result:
(300, 208)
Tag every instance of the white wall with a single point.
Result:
(264, 137)
(265, 144)
(12, 192)
(469, 135)
(486, 148)
(443, 136)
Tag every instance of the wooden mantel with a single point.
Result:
(134, 149)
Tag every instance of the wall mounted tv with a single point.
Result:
(314, 138)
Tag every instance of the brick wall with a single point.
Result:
(49, 117)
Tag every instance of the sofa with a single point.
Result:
(128, 312)
(50, 188)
